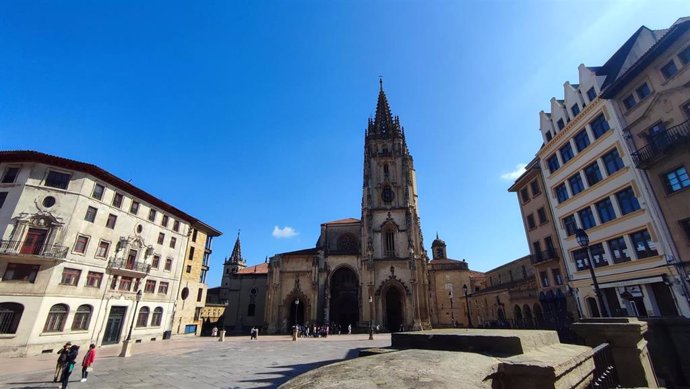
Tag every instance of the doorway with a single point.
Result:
(394, 310)
(296, 312)
(344, 298)
(33, 242)
(664, 299)
(113, 328)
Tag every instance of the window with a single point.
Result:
(191, 253)
(189, 268)
(125, 283)
(570, 224)
(70, 276)
(627, 201)
(387, 194)
(251, 309)
(3, 196)
(598, 255)
(173, 241)
(541, 212)
(535, 188)
(591, 94)
(612, 162)
(619, 250)
(561, 193)
(168, 264)
(390, 243)
(629, 101)
(576, 185)
(544, 276)
(593, 174)
(134, 208)
(575, 109)
(557, 278)
(194, 234)
(110, 223)
(165, 220)
(21, 272)
(586, 218)
(599, 126)
(560, 124)
(161, 238)
(669, 70)
(143, 318)
(82, 318)
(102, 250)
(56, 318)
(581, 260)
(530, 221)
(10, 315)
(605, 210)
(157, 317)
(197, 313)
(199, 294)
(10, 176)
(117, 200)
(176, 226)
(152, 215)
(155, 263)
(566, 153)
(642, 242)
(81, 244)
(581, 140)
(643, 91)
(684, 55)
(677, 179)
(553, 163)
(525, 195)
(57, 180)
(150, 286)
(163, 288)
(549, 136)
(94, 279)
(90, 214)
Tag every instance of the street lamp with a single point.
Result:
(467, 300)
(294, 330)
(452, 313)
(583, 241)
(371, 329)
(126, 345)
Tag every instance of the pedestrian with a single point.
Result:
(87, 362)
(68, 366)
(214, 332)
(349, 329)
(62, 357)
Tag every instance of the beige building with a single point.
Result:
(191, 298)
(653, 102)
(76, 244)
(558, 304)
(592, 183)
(213, 312)
(372, 270)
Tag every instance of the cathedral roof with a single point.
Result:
(236, 256)
(302, 252)
(349, 220)
(384, 125)
(261, 268)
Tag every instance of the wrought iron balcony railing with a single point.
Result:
(17, 247)
(543, 256)
(130, 266)
(661, 144)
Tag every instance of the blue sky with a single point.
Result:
(251, 114)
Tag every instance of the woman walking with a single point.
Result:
(68, 367)
(87, 362)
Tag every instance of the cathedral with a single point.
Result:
(362, 271)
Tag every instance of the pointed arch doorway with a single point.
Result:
(297, 311)
(394, 309)
(344, 302)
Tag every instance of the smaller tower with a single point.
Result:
(438, 247)
(231, 266)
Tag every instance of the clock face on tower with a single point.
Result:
(387, 194)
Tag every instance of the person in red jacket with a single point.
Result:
(87, 362)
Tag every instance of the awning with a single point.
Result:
(636, 281)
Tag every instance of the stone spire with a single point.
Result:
(384, 124)
(236, 256)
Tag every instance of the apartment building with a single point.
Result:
(592, 183)
(78, 248)
(557, 302)
(653, 102)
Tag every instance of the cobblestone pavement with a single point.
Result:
(194, 363)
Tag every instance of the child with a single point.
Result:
(87, 362)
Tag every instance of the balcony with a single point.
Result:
(661, 144)
(28, 249)
(543, 256)
(128, 268)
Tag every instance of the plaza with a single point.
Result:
(193, 362)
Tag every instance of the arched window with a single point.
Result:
(593, 307)
(10, 314)
(157, 317)
(143, 318)
(251, 309)
(386, 172)
(389, 242)
(82, 318)
(56, 318)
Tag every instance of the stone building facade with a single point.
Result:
(373, 269)
(76, 244)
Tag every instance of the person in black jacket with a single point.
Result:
(62, 357)
(68, 367)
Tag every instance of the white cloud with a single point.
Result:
(285, 232)
(511, 176)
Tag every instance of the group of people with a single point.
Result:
(67, 359)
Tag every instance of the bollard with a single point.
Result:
(222, 336)
(294, 334)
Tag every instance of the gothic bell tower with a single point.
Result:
(392, 243)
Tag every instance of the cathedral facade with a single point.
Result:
(368, 271)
